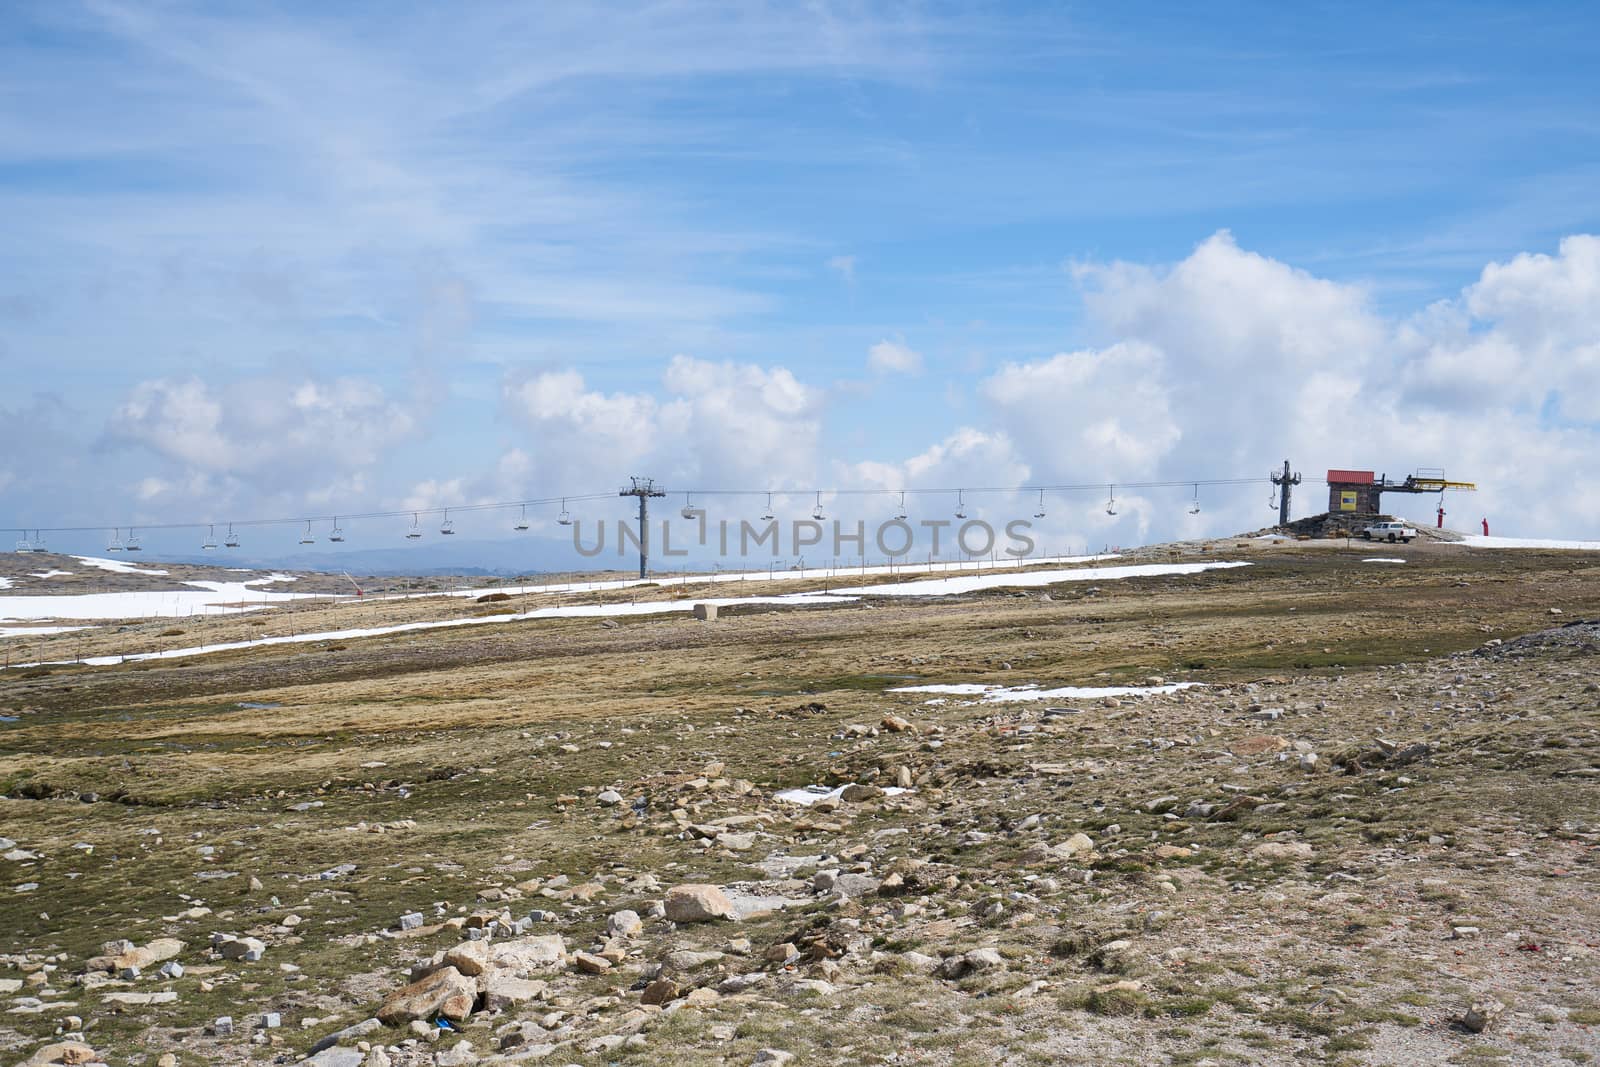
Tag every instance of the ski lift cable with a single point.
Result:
(768, 494)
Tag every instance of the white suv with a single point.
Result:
(1389, 531)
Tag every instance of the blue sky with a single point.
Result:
(285, 259)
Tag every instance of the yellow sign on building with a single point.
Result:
(1347, 500)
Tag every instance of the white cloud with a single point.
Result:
(967, 457)
(845, 266)
(893, 357)
(1109, 408)
(710, 424)
(1527, 332)
(266, 434)
(1228, 361)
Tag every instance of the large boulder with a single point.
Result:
(146, 956)
(698, 903)
(446, 992)
(524, 955)
(503, 991)
(624, 923)
(471, 958)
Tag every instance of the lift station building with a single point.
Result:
(1360, 493)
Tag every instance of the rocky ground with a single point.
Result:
(1366, 834)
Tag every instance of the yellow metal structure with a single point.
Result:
(1418, 484)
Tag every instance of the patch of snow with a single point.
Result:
(961, 689)
(812, 573)
(1480, 541)
(50, 574)
(999, 694)
(946, 586)
(32, 631)
(215, 598)
(273, 577)
(115, 566)
(575, 611)
(808, 795)
(5, 583)
(1382, 559)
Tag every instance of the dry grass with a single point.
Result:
(469, 727)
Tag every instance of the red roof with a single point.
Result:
(1350, 477)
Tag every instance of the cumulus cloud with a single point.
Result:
(1526, 333)
(967, 457)
(1106, 410)
(267, 434)
(708, 424)
(1228, 360)
(893, 357)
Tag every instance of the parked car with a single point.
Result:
(1389, 531)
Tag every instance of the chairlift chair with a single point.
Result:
(961, 504)
(23, 544)
(132, 544)
(337, 535)
(1194, 507)
(688, 511)
(415, 532)
(308, 538)
(522, 519)
(116, 541)
(900, 512)
(211, 538)
(766, 512)
(447, 527)
(38, 542)
(565, 518)
(1040, 513)
(1111, 500)
(817, 512)
(232, 540)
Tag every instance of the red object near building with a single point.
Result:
(1441, 516)
(1486, 527)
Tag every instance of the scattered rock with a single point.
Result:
(698, 903)
(624, 924)
(1274, 851)
(1481, 1014)
(446, 992)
